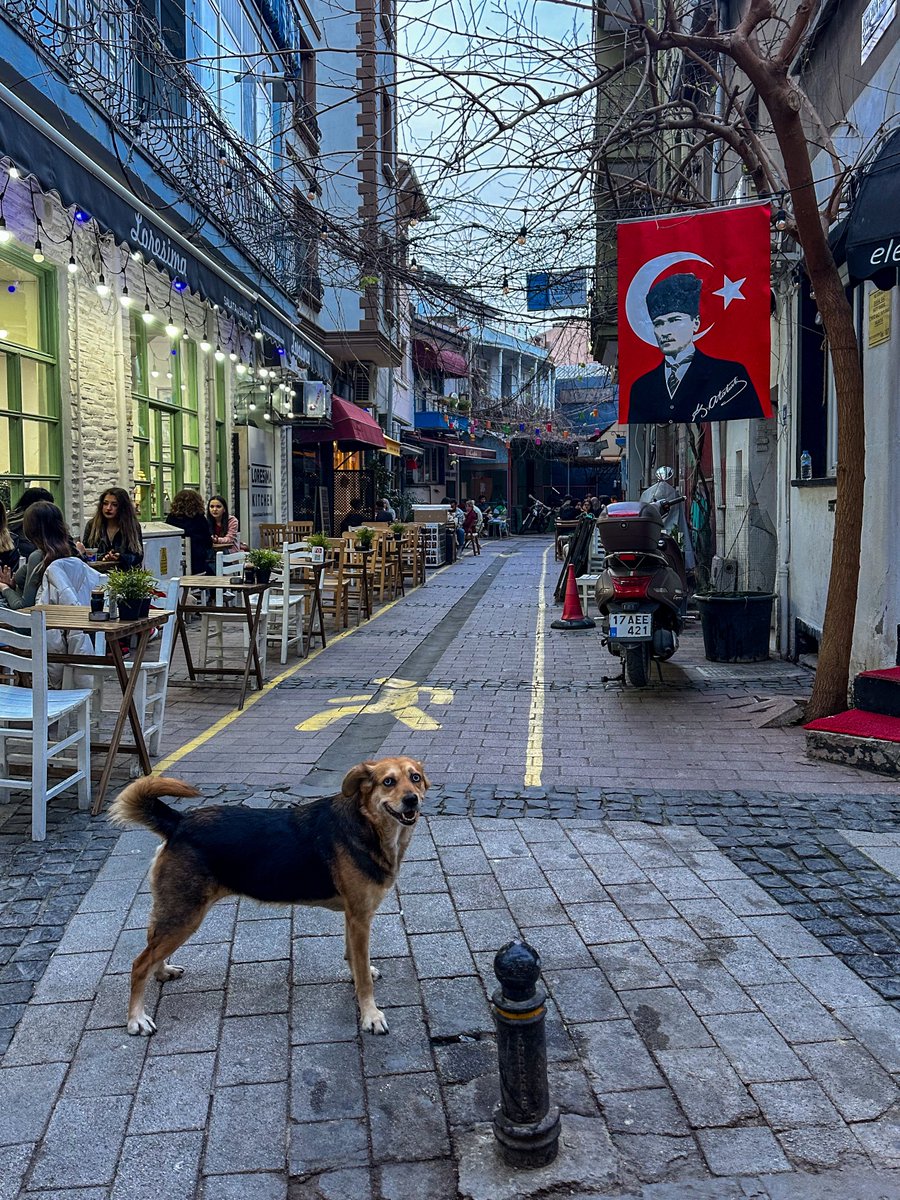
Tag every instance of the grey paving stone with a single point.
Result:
(246, 1129)
(707, 1088)
(518, 873)
(664, 1020)
(82, 1143)
(536, 907)
(754, 1048)
(558, 856)
(453, 831)
(71, 977)
(507, 843)
(47, 1033)
(654, 1156)
(319, 960)
(255, 941)
(185, 1021)
(578, 886)
(456, 1006)
(440, 955)
(652, 1110)
(559, 946)
(795, 1104)
(416, 1180)
(269, 1186)
(112, 896)
(878, 1028)
(744, 897)
(671, 940)
(91, 931)
(749, 961)
(785, 937)
(680, 883)
(253, 1050)
(460, 1062)
(128, 946)
(630, 965)
(429, 912)
(406, 1118)
(712, 865)
(310, 921)
(742, 1151)
(821, 1146)
(420, 877)
(640, 901)
(477, 891)
(463, 860)
(857, 1086)
(324, 1013)
(258, 988)
(351, 1183)
(488, 929)
(327, 1145)
(398, 984)
(29, 1094)
(159, 1164)
(583, 995)
(710, 918)
(834, 984)
(205, 968)
(88, 1193)
(14, 1162)
(108, 1062)
(795, 1013)
(614, 1057)
(600, 924)
(881, 1138)
(407, 1048)
(326, 1082)
(110, 1007)
(612, 868)
(388, 939)
(175, 1092)
(653, 852)
(710, 989)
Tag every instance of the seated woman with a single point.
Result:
(9, 543)
(114, 531)
(188, 513)
(17, 516)
(222, 527)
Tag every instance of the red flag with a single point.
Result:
(694, 311)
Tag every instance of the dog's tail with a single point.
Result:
(140, 804)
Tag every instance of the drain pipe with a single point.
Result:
(715, 192)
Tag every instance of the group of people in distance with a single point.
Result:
(384, 514)
(571, 509)
(34, 535)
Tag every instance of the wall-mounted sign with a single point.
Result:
(879, 317)
(875, 19)
(556, 289)
(316, 400)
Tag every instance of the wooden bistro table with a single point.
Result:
(71, 618)
(252, 614)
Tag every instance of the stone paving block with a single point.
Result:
(591, 841)
(463, 860)
(416, 877)
(326, 1082)
(131, 865)
(465, 1060)
(749, 961)
(189, 1021)
(680, 883)
(710, 918)
(456, 1006)
(580, 886)
(72, 977)
(258, 988)
(785, 937)
(91, 931)
(518, 873)
(14, 1162)
(640, 901)
(175, 1092)
(205, 968)
(429, 912)
(707, 1088)
(252, 1050)
(557, 856)
(319, 960)
(710, 865)
(754, 1047)
(113, 896)
(559, 946)
(82, 1143)
(407, 1048)
(671, 940)
(398, 984)
(29, 1094)
(742, 1151)
(656, 1156)
(583, 995)
(159, 1164)
(854, 1082)
(835, 985)
(351, 1183)
(709, 989)
(270, 1186)
(488, 929)
(440, 955)
(138, 915)
(651, 853)
(648, 1111)
(535, 907)
(88, 1193)
(600, 924)
(878, 1028)
(47, 1033)
(502, 844)
(795, 1013)
(128, 946)
(630, 965)
(477, 892)
(327, 1145)
(881, 1138)
(312, 921)
(246, 1129)
(257, 940)
(417, 1180)
(388, 937)
(325, 1013)
(453, 831)
(795, 1104)
(614, 1057)
(822, 1146)
(108, 1062)
(744, 897)
(406, 1118)
(664, 1019)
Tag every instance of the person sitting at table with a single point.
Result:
(114, 532)
(9, 543)
(17, 516)
(354, 517)
(188, 514)
(569, 510)
(222, 527)
(383, 514)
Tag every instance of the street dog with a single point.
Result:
(341, 852)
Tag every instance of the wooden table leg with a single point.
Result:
(253, 620)
(128, 682)
(182, 631)
(315, 607)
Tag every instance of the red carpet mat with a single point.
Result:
(889, 673)
(858, 723)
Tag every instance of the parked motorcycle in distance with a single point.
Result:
(642, 591)
(537, 517)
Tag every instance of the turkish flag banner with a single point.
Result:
(694, 312)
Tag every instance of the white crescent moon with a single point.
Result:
(636, 297)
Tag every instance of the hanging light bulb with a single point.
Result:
(147, 315)
(102, 288)
(252, 406)
(523, 232)
(5, 235)
(136, 256)
(414, 264)
(258, 334)
(184, 336)
(171, 329)
(4, 334)
(241, 369)
(220, 354)
(268, 416)
(14, 172)
(72, 266)
(505, 284)
(38, 254)
(205, 346)
(781, 220)
(233, 356)
(125, 300)
(413, 221)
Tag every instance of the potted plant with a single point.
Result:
(133, 590)
(464, 404)
(318, 544)
(398, 529)
(264, 563)
(736, 625)
(364, 537)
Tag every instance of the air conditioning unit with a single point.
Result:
(316, 399)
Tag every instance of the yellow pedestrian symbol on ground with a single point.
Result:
(399, 697)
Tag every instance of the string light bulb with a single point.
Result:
(233, 356)
(14, 172)
(523, 232)
(414, 264)
(219, 354)
(72, 265)
(125, 300)
(38, 254)
(147, 315)
(5, 235)
(505, 284)
(205, 346)
(171, 329)
(258, 334)
(102, 287)
(781, 220)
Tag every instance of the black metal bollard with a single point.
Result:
(525, 1125)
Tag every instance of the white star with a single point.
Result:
(731, 290)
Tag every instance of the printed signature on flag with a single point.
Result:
(720, 399)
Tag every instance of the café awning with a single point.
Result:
(431, 356)
(350, 424)
(872, 234)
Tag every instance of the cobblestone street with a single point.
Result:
(718, 919)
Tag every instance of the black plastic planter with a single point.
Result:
(736, 628)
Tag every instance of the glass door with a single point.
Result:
(162, 460)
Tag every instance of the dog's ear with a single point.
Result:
(357, 778)
(425, 780)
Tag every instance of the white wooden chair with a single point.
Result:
(27, 714)
(153, 680)
(231, 566)
(288, 598)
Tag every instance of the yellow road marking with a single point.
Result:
(400, 698)
(534, 754)
(254, 698)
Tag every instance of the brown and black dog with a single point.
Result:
(342, 852)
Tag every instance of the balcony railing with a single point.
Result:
(115, 56)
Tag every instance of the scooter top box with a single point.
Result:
(630, 526)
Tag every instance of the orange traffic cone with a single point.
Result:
(572, 616)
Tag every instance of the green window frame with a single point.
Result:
(30, 409)
(166, 416)
(221, 433)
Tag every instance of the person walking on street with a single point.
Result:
(472, 525)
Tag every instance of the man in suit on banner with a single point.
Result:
(688, 385)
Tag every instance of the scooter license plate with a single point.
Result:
(631, 627)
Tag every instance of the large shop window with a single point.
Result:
(30, 436)
(222, 446)
(165, 399)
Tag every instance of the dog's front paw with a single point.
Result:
(142, 1025)
(168, 971)
(376, 974)
(374, 1021)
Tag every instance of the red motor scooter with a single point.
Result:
(642, 591)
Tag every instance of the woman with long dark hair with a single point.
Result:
(17, 517)
(114, 530)
(188, 513)
(9, 543)
(224, 528)
(45, 528)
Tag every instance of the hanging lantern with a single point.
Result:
(521, 427)
(487, 424)
(411, 464)
(537, 441)
(565, 433)
(549, 427)
(537, 432)
(594, 412)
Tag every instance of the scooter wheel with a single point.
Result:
(637, 664)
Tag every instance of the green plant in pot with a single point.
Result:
(364, 537)
(133, 590)
(398, 529)
(318, 544)
(264, 563)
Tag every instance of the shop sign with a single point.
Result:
(157, 246)
(876, 17)
(879, 317)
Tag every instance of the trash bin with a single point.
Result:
(736, 627)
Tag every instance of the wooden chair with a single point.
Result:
(412, 557)
(335, 586)
(231, 565)
(357, 568)
(385, 567)
(273, 536)
(289, 597)
(564, 530)
(27, 714)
